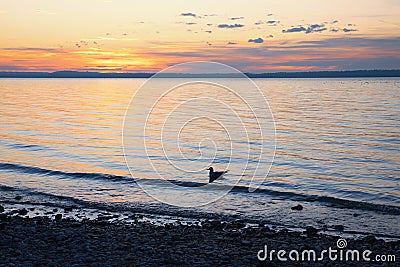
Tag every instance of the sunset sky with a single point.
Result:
(147, 36)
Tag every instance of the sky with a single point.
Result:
(148, 36)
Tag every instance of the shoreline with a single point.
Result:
(292, 215)
(53, 239)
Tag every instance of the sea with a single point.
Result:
(329, 145)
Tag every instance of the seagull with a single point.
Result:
(214, 175)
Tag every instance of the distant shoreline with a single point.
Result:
(309, 74)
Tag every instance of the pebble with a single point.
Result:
(22, 212)
(246, 242)
(370, 239)
(68, 209)
(93, 243)
(237, 224)
(311, 231)
(298, 207)
(339, 227)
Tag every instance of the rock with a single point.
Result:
(246, 242)
(1, 208)
(68, 209)
(233, 234)
(18, 197)
(211, 224)
(339, 227)
(298, 207)
(370, 239)
(267, 234)
(265, 229)
(103, 217)
(311, 231)
(58, 217)
(31, 209)
(284, 230)
(22, 212)
(248, 258)
(237, 224)
(55, 210)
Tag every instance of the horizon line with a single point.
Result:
(281, 74)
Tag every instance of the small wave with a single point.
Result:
(83, 175)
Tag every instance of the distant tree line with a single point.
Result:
(308, 74)
(328, 74)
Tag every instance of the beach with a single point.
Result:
(188, 133)
(55, 239)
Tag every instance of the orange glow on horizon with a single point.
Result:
(125, 60)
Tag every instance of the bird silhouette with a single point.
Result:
(214, 175)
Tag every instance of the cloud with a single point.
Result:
(319, 30)
(269, 15)
(190, 23)
(270, 36)
(259, 22)
(334, 30)
(230, 26)
(208, 31)
(316, 28)
(335, 21)
(310, 29)
(236, 18)
(256, 41)
(43, 11)
(34, 49)
(11, 68)
(344, 63)
(349, 30)
(272, 22)
(347, 52)
(381, 44)
(295, 29)
(231, 43)
(188, 14)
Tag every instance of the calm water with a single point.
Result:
(337, 146)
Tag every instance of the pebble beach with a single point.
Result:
(55, 240)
